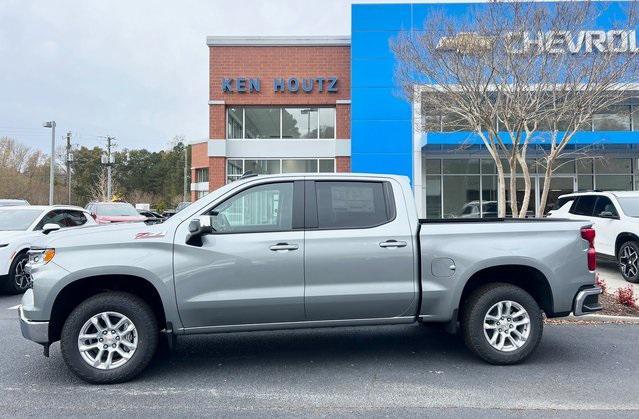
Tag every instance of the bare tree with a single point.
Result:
(520, 75)
(100, 187)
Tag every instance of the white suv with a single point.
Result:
(615, 218)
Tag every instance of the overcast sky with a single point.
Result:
(136, 70)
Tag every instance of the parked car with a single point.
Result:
(615, 218)
(168, 213)
(13, 202)
(471, 210)
(19, 225)
(293, 251)
(114, 212)
(152, 217)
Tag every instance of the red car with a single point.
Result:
(114, 212)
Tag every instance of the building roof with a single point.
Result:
(269, 41)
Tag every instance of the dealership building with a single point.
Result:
(332, 104)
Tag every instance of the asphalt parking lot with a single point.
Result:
(372, 371)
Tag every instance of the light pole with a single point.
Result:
(51, 124)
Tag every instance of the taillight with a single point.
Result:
(588, 233)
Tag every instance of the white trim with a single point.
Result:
(275, 148)
(216, 102)
(343, 102)
(266, 41)
(200, 186)
(217, 148)
(418, 183)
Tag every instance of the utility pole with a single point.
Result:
(51, 124)
(108, 161)
(186, 160)
(69, 160)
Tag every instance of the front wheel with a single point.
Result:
(501, 323)
(18, 280)
(628, 258)
(109, 338)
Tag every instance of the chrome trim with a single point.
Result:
(581, 297)
(35, 331)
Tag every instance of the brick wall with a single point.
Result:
(268, 63)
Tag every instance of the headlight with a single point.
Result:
(40, 257)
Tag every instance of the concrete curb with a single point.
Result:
(597, 318)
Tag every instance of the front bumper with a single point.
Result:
(587, 301)
(34, 330)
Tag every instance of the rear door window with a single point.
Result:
(584, 205)
(76, 218)
(604, 204)
(353, 204)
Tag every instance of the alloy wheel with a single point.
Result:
(507, 326)
(628, 260)
(20, 276)
(107, 340)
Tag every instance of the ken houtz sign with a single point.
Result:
(291, 85)
(552, 42)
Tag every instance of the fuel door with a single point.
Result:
(442, 267)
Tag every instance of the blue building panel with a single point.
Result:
(382, 131)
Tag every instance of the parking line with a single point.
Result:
(14, 307)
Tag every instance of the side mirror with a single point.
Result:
(197, 228)
(49, 227)
(607, 214)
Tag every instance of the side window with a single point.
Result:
(75, 218)
(261, 208)
(584, 205)
(604, 204)
(563, 201)
(353, 204)
(53, 217)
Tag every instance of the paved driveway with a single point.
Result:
(373, 371)
(610, 273)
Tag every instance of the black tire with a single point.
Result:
(629, 268)
(477, 306)
(131, 306)
(11, 285)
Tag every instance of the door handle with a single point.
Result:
(283, 246)
(392, 243)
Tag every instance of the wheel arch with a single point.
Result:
(527, 277)
(622, 238)
(79, 290)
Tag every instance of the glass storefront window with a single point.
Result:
(262, 122)
(262, 167)
(433, 166)
(488, 166)
(299, 166)
(234, 123)
(613, 182)
(616, 118)
(584, 166)
(613, 166)
(585, 183)
(327, 123)
(299, 123)
(433, 196)
(459, 192)
(280, 123)
(564, 166)
(460, 166)
(327, 165)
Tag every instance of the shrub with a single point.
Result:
(601, 283)
(626, 296)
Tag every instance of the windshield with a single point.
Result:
(116, 210)
(17, 220)
(630, 206)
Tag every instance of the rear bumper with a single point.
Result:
(587, 301)
(33, 330)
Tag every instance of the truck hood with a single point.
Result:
(8, 236)
(120, 218)
(97, 235)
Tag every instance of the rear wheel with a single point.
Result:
(18, 280)
(501, 323)
(628, 258)
(109, 338)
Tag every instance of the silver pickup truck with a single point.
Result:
(300, 251)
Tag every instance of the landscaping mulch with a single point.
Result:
(613, 308)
